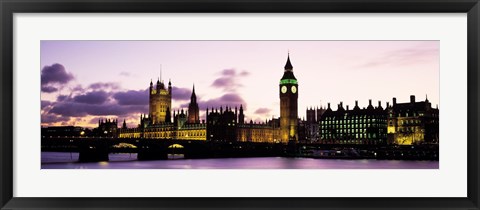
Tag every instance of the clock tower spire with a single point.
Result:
(288, 104)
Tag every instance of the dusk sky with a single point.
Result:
(83, 81)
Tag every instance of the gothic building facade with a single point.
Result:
(193, 110)
(410, 123)
(311, 127)
(268, 131)
(221, 124)
(160, 102)
(354, 126)
(107, 128)
(402, 123)
(158, 124)
(413, 122)
(229, 125)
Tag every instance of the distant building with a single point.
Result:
(402, 124)
(228, 126)
(312, 124)
(302, 131)
(410, 123)
(107, 128)
(413, 123)
(355, 126)
(64, 131)
(193, 110)
(222, 124)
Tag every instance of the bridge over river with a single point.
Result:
(97, 149)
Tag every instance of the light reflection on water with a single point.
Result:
(65, 160)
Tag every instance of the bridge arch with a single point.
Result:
(176, 151)
(124, 145)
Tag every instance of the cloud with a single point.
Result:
(106, 85)
(181, 93)
(225, 82)
(94, 101)
(228, 72)
(72, 109)
(401, 57)
(45, 104)
(262, 111)
(132, 97)
(229, 80)
(78, 88)
(94, 97)
(52, 118)
(229, 99)
(95, 120)
(124, 73)
(49, 89)
(244, 73)
(54, 75)
(62, 97)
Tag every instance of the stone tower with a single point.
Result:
(288, 90)
(160, 102)
(193, 111)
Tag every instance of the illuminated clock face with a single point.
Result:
(294, 89)
(284, 89)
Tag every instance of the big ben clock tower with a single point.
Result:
(288, 104)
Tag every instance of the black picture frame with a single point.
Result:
(10, 7)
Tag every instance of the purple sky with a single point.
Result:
(86, 80)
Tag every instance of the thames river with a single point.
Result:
(66, 160)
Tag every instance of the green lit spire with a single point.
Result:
(288, 77)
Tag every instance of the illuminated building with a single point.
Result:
(402, 124)
(220, 125)
(179, 129)
(413, 123)
(160, 102)
(228, 125)
(288, 90)
(259, 132)
(159, 125)
(130, 132)
(356, 126)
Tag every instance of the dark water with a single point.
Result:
(65, 160)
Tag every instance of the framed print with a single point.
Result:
(239, 105)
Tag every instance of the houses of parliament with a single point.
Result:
(399, 123)
(221, 123)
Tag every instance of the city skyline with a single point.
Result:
(86, 80)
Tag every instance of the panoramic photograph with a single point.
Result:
(239, 104)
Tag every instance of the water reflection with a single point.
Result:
(58, 160)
